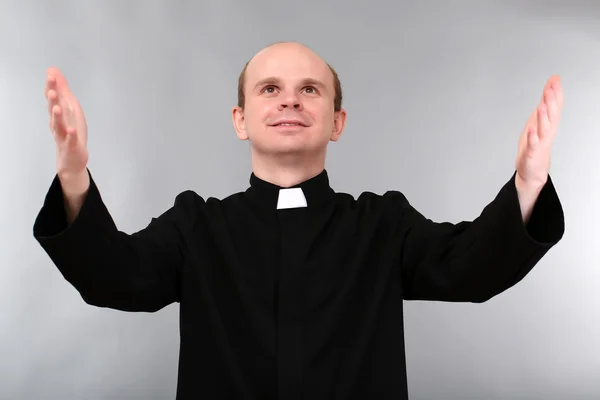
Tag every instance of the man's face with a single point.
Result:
(289, 104)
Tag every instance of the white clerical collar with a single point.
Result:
(291, 198)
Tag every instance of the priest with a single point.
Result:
(290, 289)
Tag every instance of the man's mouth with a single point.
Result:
(289, 123)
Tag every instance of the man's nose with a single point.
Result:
(291, 100)
(295, 105)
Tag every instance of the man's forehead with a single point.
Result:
(285, 61)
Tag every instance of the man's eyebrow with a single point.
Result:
(313, 82)
(267, 81)
(272, 80)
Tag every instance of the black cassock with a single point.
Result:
(294, 293)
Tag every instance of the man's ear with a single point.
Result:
(339, 123)
(239, 122)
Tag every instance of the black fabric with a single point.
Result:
(301, 303)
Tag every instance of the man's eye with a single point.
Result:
(311, 89)
(269, 88)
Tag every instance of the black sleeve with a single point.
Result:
(109, 268)
(474, 261)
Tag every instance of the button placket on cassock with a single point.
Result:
(291, 212)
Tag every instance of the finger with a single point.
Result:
(52, 71)
(551, 105)
(52, 123)
(532, 138)
(52, 100)
(560, 97)
(554, 83)
(61, 82)
(54, 116)
(71, 138)
(58, 122)
(543, 122)
(50, 85)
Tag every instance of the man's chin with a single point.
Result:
(287, 149)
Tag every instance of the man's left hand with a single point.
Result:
(535, 143)
(533, 159)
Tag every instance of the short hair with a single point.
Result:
(337, 85)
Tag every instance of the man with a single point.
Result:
(290, 290)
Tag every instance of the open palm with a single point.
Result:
(535, 143)
(67, 124)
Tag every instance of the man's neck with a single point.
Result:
(287, 171)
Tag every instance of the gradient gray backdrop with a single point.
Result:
(437, 95)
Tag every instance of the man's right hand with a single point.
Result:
(67, 124)
(69, 129)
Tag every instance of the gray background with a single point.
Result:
(437, 95)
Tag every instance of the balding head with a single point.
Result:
(289, 105)
(281, 48)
